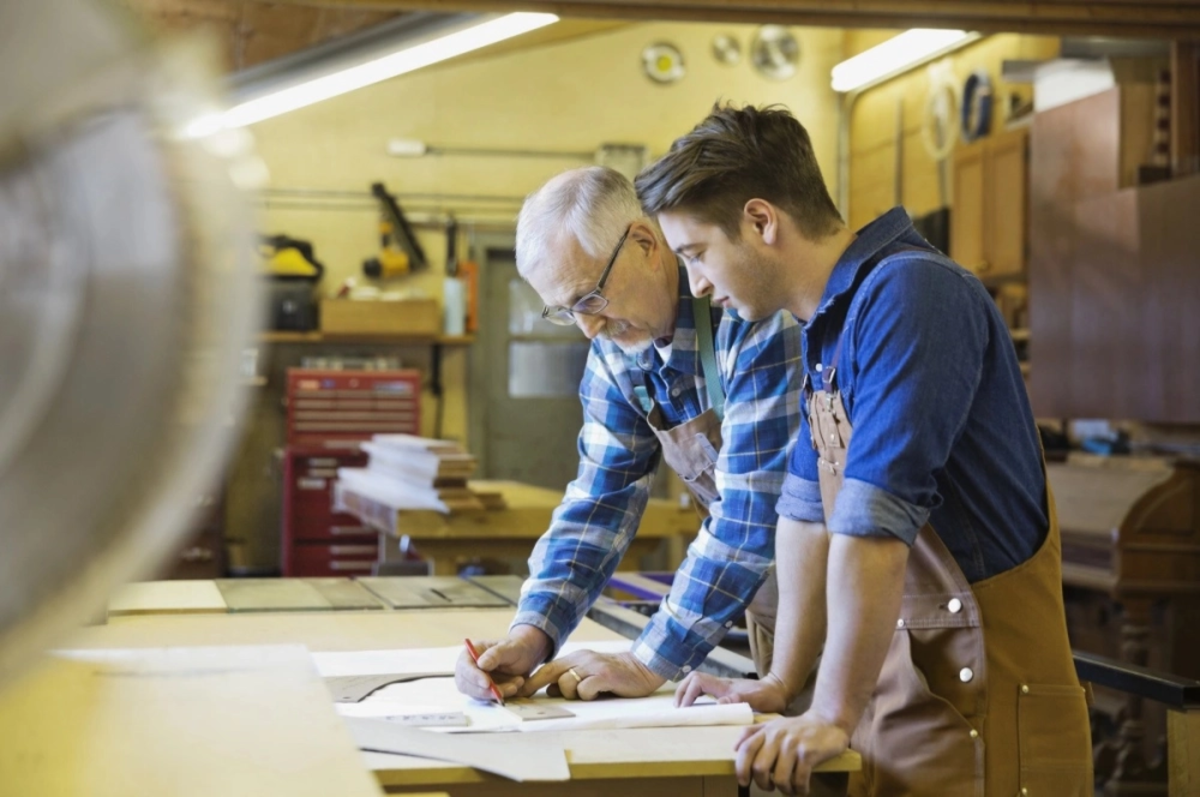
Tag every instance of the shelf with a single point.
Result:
(333, 337)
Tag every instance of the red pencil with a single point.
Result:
(491, 684)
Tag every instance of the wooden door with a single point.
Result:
(967, 218)
(1006, 204)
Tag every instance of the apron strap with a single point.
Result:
(701, 312)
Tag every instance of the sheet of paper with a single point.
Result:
(512, 757)
(440, 694)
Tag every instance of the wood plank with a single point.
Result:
(345, 594)
(167, 597)
(254, 720)
(271, 595)
(1111, 17)
(320, 631)
(507, 587)
(1183, 753)
(600, 755)
(1185, 108)
(427, 592)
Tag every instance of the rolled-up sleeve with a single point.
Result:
(801, 495)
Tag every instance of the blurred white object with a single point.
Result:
(126, 300)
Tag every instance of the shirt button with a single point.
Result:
(820, 368)
(965, 675)
(900, 623)
(687, 668)
(1024, 689)
(974, 734)
(729, 624)
(955, 606)
(675, 391)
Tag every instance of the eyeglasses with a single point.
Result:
(589, 304)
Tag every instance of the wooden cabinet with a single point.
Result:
(990, 201)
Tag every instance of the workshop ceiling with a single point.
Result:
(252, 31)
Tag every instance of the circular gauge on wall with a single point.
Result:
(726, 50)
(662, 62)
(775, 52)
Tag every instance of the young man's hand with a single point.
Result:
(585, 674)
(782, 753)
(508, 661)
(767, 696)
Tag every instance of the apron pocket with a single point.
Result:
(1055, 741)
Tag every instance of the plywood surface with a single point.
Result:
(318, 630)
(199, 721)
(168, 597)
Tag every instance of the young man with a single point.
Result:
(917, 551)
(667, 378)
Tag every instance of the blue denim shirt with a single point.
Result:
(943, 429)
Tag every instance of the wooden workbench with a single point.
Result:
(677, 761)
(512, 531)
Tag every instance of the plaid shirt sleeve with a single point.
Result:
(593, 526)
(731, 555)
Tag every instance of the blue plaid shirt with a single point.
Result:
(591, 530)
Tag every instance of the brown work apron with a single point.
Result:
(691, 450)
(978, 694)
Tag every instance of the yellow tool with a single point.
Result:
(400, 252)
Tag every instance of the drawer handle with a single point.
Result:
(338, 531)
(351, 550)
(335, 565)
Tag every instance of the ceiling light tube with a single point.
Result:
(318, 82)
(897, 55)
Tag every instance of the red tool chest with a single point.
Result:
(327, 413)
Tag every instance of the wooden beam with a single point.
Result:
(1127, 18)
(1185, 108)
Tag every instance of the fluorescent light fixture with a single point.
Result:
(480, 32)
(896, 55)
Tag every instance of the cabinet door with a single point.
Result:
(1006, 202)
(967, 218)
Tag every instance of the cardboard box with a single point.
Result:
(408, 317)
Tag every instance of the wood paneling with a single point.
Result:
(1128, 18)
(1185, 107)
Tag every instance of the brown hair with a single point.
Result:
(735, 155)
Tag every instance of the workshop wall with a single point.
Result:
(567, 96)
(572, 96)
(873, 120)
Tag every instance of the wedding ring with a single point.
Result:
(578, 677)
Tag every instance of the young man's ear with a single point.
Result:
(761, 218)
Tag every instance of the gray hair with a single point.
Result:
(594, 204)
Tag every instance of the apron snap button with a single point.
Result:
(955, 606)
(974, 734)
(965, 674)
(1024, 689)
(1024, 791)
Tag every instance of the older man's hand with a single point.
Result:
(508, 661)
(585, 674)
(782, 753)
(766, 696)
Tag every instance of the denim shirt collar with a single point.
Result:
(870, 241)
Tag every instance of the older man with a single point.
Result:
(668, 378)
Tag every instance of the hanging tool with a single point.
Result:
(400, 251)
